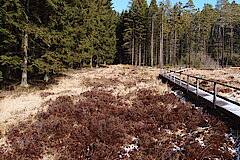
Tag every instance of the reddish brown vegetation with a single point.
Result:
(45, 94)
(96, 124)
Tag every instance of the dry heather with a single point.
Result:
(120, 112)
(121, 80)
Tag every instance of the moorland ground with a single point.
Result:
(116, 112)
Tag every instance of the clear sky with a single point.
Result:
(120, 5)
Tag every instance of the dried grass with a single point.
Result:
(99, 113)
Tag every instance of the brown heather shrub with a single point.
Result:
(45, 94)
(98, 125)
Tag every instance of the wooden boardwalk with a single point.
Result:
(217, 101)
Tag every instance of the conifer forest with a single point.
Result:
(79, 80)
(40, 38)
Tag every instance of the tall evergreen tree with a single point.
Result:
(11, 29)
(135, 32)
(153, 9)
(44, 37)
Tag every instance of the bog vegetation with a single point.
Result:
(41, 38)
(116, 112)
(121, 112)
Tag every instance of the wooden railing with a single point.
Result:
(215, 84)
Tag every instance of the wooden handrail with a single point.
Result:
(214, 93)
(211, 81)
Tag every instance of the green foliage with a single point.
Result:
(70, 34)
(188, 34)
(197, 64)
(11, 25)
(135, 28)
(61, 34)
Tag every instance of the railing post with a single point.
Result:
(197, 86)
(174, 78)
(180, 79)
(187, 83)
(215, 94)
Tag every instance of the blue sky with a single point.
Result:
(120, 5)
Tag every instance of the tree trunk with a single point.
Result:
(231, 46)
(198, 41)
(219, 44)
(205, 48)
(46, 77)
(136, 53)
(223, 47)
(170, 51)
(24, 79)
(232, 51)
(24, 82)
(156, 51)
(167, 50)
(133, 50)
(189, 51)
(91, 61)
(140, 53)
(227, 58)
(144, 54)
(175, 46)
(152, 42)
(161, 46)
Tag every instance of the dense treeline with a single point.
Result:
(39, 38)
(45, 37)
(165, 34)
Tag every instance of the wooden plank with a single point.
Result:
(220, 102)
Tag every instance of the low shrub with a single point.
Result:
(98, 125)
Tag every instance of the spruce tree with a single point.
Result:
(207, 18)
(11, 29)
(189, 28)
(129, 30)
(135, 32)
(122, 56)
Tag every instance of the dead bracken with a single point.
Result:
(102, 123)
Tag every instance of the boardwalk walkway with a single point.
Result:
(217, 101)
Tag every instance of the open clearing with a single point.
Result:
(118, 112)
